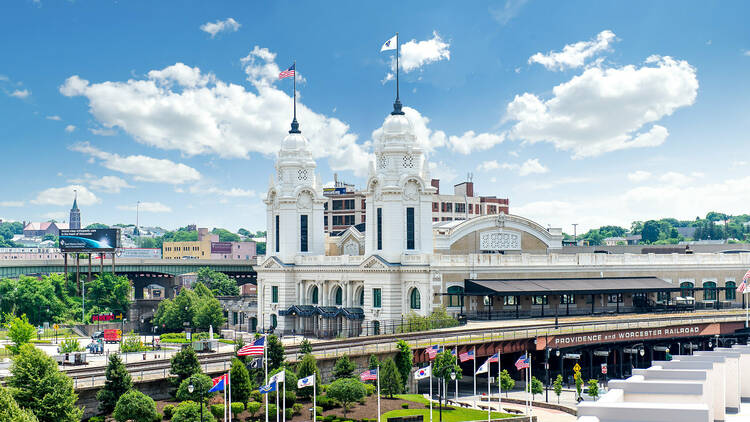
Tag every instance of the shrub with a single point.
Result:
(168, 411)
(318, 410)
(370, 389)
(346, 391)
(217, 410)
(184, 364)
(326, 403)
(132, 343)
(289, 413)
(256, 396)
(237, 408)
(271, 409)
(189, 411)
(404, 405)
(343, 367)
(96, 419)
(201, 383)
(253, 407)
(70, 345)
(135, 406)
(297, 407)
(117, 383)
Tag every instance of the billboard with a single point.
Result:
(144, 253)
(221, 247)
(89, 240)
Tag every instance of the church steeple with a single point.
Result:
(75, 213)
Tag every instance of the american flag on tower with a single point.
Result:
(287, 73)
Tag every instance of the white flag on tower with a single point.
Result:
(389, 45)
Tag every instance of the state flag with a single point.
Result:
(306, 381)
(219, 383)
(389, 45)
(265, 389)
(423, 373)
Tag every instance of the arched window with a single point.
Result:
(709, 290)
(339, 296)
(686, 289)
(362, 297)
(731, 287)
(415, 301)
(314, 295)
(274, 321)
(456, 297)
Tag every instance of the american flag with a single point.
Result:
(747, 275)
(432, 351)
(493, 358)
(370, 375)
(522, 362)
(287, 73)
(253, 349)
(742, 286)
(463, 357)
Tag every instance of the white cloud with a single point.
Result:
(55, 117)
(747, 52)
(146, 207)
(574, 55)
(109, 184)
(639, 176)
(70, 128)
(488, 165)
(20, 93)
(181, 108)
(441, 170)
(227, 25)
(103, 132)
(605, 110)
(9, 204)
(415, 54)
(532, 166)
(510, 10)
(213, 190)
(554, 183)
(65, 195)
(674, 178)
(141, 167)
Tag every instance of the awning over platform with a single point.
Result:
(324, 311)
(557, 286)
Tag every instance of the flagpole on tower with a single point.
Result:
(397, 103)
(397, 51)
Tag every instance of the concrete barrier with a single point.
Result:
(715, 380)
(732, 375)
(744, 370)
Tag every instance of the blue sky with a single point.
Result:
(580, 112)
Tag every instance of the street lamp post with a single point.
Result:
(191, 388)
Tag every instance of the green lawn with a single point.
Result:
(456, 414)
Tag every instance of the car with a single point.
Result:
(97, 335)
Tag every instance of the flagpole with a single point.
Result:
(430, 391)
(295, 90)
(284, 401)
(229, 383)
(499, 382)
(277, 401)
(397, 54)
(489, 393)
(225, 405)
(475, 369)
(315, 399)
(456, 397)
(265, 364)
(378, 393)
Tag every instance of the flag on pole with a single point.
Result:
(306, 382)
(432, 351)
(220, 383)
(423, 373)
(278, 377)
(256, 363)
(486, 366)
(370, 375)
(253, 349)
(747, 275)
(389, 45)
(287, 73)
(741, 288)
(522, 362)
(265, 389)
(463, 357)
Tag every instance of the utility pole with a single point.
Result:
(575, 235)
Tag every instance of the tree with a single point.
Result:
(275, 352)
(390, 379)
(305, 347)
(253, 407)
(9, 410)
(650, 231)
(308, 366)
(209, 313)
(226, 235)
(536, 387)
(506, 382)
(442, 367)
(184, 364)
(190, 411)
(344, 367)
(579, 384)
(404, 361)
(219, 283)
(37, 385)
(110, 292)
(136, 407)
(374, 362)
(346, 391)
(558, 387)
(201, 384)
(241, 385)
(117, 383)
(594, 388)
(20, 332)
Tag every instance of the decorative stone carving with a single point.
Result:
(500, 220)
(382, 161)
(302, 174)
(351, 247)
(304, 201)
(411, 191)
(408, 161)
(499, 240)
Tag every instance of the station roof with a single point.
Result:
(550, 286)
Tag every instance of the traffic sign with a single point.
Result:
(604, 368)
(577, 368)
(56, 327)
